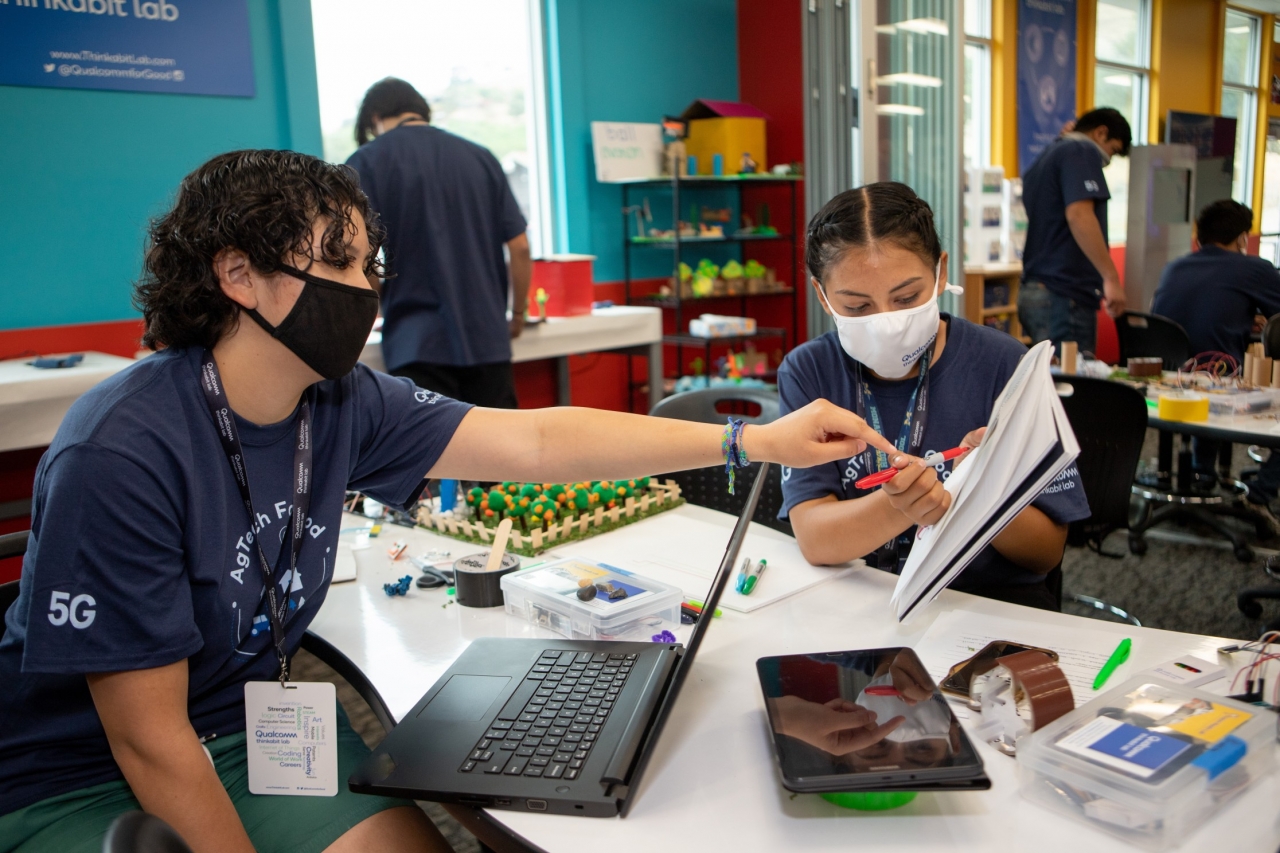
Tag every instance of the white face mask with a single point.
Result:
(891, 342)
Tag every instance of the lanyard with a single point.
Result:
(910, 438)
(224, 419)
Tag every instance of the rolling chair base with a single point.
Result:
(1208, 513)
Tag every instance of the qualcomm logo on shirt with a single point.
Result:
(1091, 186)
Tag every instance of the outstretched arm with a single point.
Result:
(567, 444)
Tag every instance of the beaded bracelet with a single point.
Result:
(731, 447)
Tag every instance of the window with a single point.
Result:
(1121, 79)
(477, 64)
(1241, 48)
(977, 83)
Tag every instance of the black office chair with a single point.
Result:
(139, 832)
(11, 545)
(708, 487)
(1150, 335)
(1110, 423)
(1249, 600)
(703, 405)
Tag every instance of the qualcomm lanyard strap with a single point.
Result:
(910, 437)
(224, 419)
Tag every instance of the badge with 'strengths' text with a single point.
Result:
(292, 737)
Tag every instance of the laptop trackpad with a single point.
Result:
(465, 697)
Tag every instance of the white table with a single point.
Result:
(631, 329)
(712, 779)
(33, 402)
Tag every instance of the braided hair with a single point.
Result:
(859, 217)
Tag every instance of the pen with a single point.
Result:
(879, 478)
(698, 606)
(1119, 656)
(754, 578)
(741, 583)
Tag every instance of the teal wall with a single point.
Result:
(84, 170)
(619, 60)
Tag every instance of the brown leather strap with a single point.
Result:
(1042, 683)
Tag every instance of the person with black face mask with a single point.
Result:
(185, 517)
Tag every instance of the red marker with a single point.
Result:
(882, 690)
(879, 478)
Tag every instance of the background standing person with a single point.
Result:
(1066, 265)
(448, 211)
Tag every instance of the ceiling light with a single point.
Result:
(908, 78)
(937, 26)
(886, 29)
(899, 110)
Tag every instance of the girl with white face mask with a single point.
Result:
(925, 381)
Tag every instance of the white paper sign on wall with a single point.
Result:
(626, 150)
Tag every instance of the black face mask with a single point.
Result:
(328, 326)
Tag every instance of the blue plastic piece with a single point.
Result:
(400, 587)
(448, 495)
(717, 164)
(1222, 756)
(664, 637)
(692, 164)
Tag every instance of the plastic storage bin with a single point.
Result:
(547, 596)
(1148, 761)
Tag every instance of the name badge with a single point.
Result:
(292, 737)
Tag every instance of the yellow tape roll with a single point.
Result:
(1186, 406)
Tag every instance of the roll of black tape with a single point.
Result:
(475, 586)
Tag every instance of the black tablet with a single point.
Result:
(866, 720)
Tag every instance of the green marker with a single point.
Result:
(755, 577)
(1119, 656)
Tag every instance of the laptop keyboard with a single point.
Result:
(548, 726)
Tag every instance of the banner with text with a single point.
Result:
(183, 47)
(1046, 74)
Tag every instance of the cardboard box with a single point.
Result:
(726, 128)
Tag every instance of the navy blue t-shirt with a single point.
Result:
(142, 554)
(964, 383)
(1214, 294)
(1068, 171)
(448, 211)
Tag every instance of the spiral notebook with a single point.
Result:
(1029, 443)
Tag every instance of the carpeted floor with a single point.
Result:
(1175, 586)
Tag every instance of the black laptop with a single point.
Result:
(561, 726)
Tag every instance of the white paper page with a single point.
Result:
(1027, 422)
(987, 464)
(689, 552)
(958, 634)
(344, 562)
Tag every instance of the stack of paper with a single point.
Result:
(1028, 443)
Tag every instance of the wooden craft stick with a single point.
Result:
(1264, 365)
(1070, 350)
(499, 545)
(1275, 374)
(1246, 372)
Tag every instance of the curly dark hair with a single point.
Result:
(881, 211)
(264, 203)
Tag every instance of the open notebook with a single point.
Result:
(1028, 443)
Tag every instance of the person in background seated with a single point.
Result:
(878, 269)
(1215, 293)
(1067, 264)
(172, 489)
